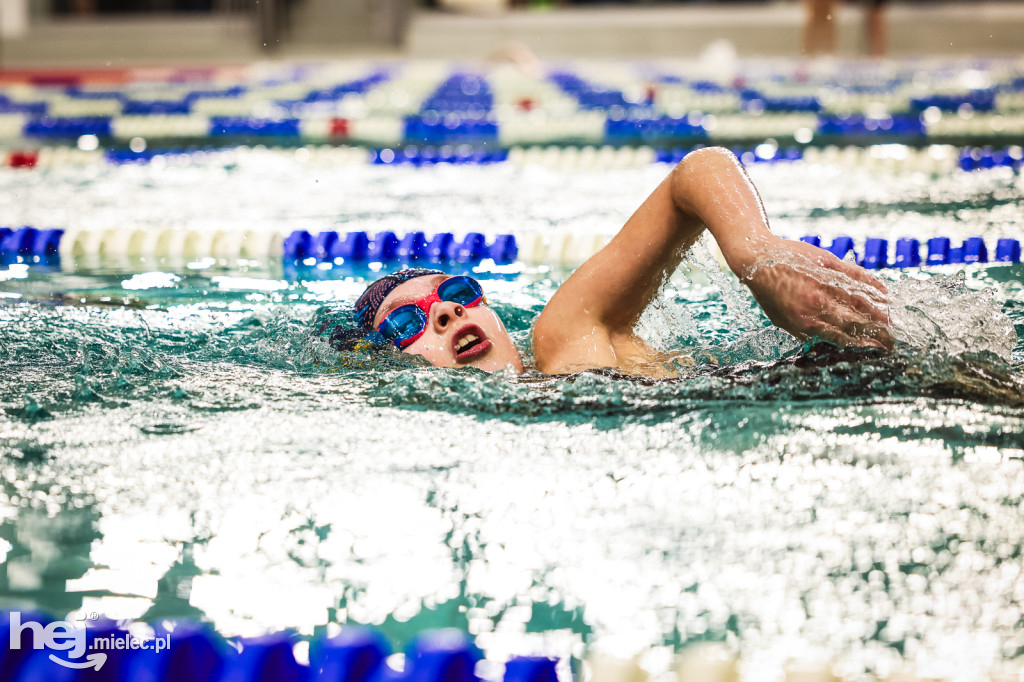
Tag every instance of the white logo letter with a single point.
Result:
(17, 628)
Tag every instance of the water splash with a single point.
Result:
(667, 324)
(740, 303)
(941, 315)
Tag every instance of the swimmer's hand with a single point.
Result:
(812, 294)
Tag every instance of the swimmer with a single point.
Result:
(590, 321)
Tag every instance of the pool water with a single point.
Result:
(176, 443)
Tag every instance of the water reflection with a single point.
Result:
(201, 456)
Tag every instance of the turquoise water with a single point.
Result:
(175, 443)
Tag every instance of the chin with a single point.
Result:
(500, 354)
(498, 364)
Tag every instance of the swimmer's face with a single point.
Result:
(450, 325)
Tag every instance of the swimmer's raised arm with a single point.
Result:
(590, 320)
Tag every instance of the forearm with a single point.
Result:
(711, 186)
(606, 296)
(803, 289)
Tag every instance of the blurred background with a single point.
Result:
(128, 32)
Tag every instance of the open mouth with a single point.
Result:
(469, 343)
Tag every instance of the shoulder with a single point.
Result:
(561, 347)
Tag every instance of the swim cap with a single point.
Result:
(367, 305)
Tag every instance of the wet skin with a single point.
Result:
(590, 321)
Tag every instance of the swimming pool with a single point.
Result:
(176, 445)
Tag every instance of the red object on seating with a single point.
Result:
(525, 103)
(339, 127)
(23, 159)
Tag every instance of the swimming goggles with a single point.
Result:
(406, 323)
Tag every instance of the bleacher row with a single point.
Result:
(438, 104)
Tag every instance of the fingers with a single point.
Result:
(876, 314)
(871, 300)
(819, 296)
(842, 339)
(859, 274)
(849, 337)
(855, 341)
(879, 313)
(851, 328)
(878, 334)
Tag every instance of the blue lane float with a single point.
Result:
(977, 100)
(856, 125)
(413, 246)
(352, 248)
(431, 155)
(908, 253)
(875, 254)
(531, 669)
(387, 247)
(231, 126)
(840, 247)
(383, 247)
(1008, 251)
(28, 242)
(195, 653)
(322, 245)
(67, 127)
(270, 658)
(979, 158)
(504, 249)
(296, 245)
(939, 251)
(623, 132)
(472, 248)
(351, 656)
(448, 655)
(644, 129)
(439, 246)
(451, 129)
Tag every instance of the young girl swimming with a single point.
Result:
(590, 321)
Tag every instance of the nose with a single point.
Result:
(444, 313)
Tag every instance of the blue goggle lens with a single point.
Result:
(463, 290)
(403, 323)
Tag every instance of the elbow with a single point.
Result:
(702, 163)
(696, 173)
(708, 156)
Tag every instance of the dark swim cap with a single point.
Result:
(367, 305)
